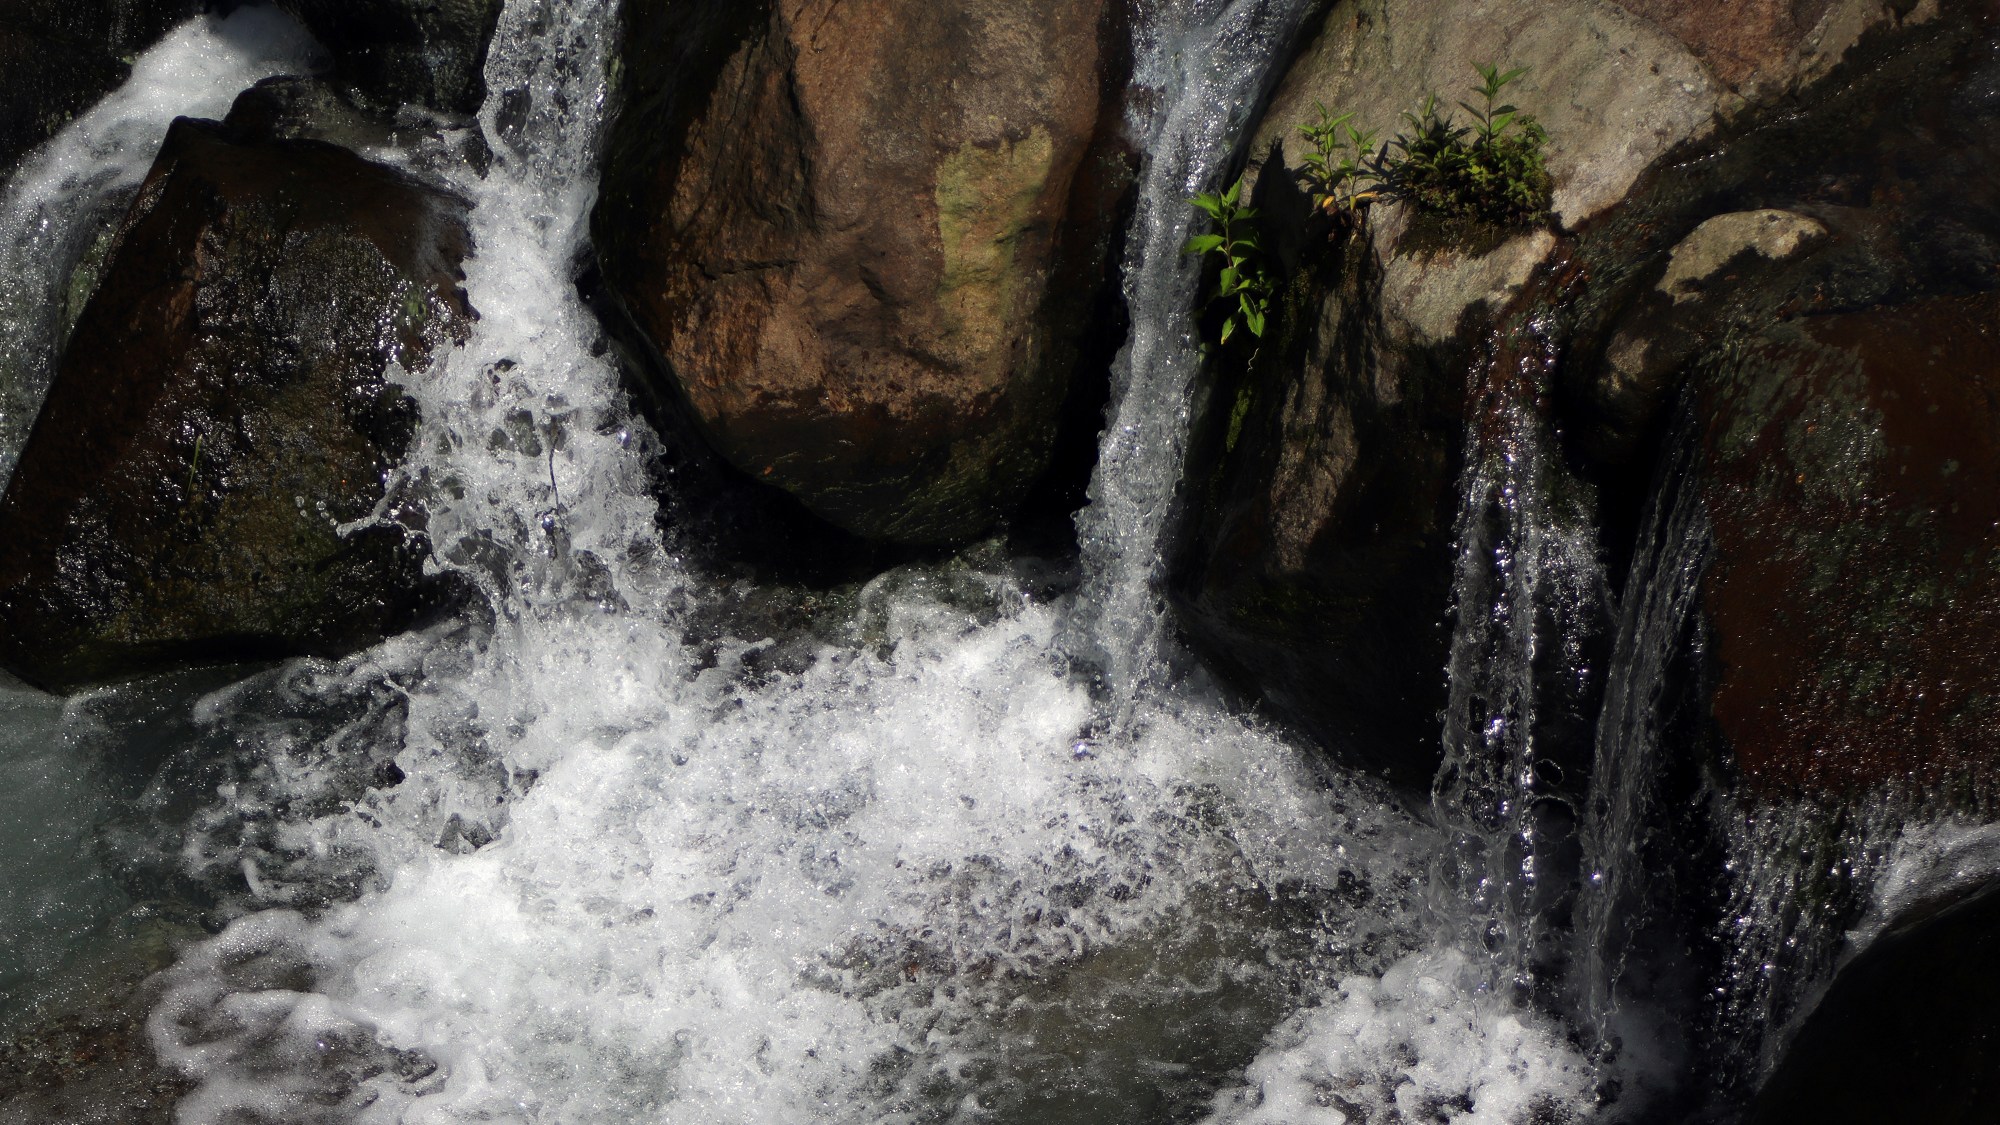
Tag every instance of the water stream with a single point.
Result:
(971, 853)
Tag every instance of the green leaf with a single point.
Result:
(1202, 244)
(1228, 329)
(1253, 319)
(1229, 280)
(1209, 204)
(1235, 193)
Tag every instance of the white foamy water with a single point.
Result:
(1418, 1043)
(561, 863)
(71, 192)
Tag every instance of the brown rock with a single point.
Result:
(222, 410)
(1854, 596)
(863, 234)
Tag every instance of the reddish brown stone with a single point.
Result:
(1855, 594)
(1740, 40)
(862, 235)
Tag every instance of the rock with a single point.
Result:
(1317, 570)
(221, 417)
(1766, 48)
(387, 53)
(60, 57)
(1853, 487)
(866, 237)
(1719, 242)
(1908, 1031)
(74, 1049)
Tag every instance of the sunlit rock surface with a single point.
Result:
(866, 239)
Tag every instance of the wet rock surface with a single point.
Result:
(1854, 490)
(865, 239)
(76, 1049)
(390, 53)
(221, 421)
(1907, 1032)
(1319, 566)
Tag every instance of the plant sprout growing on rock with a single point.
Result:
(1244, 286)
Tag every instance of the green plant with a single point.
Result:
(1244, 287)
(1492, 172)
(1340, 164)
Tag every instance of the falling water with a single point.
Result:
(1526, 595)
(1656, 639)
(1212, 62)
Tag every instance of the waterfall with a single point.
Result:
(1526, 593)
(62, 204)
(1657, 639)
(596, 864)
(1213, 62)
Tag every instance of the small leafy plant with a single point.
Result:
(1245, 287)
(1491, 172)
(1341, 164)
(1494, 171)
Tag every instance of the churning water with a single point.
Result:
(969, 851)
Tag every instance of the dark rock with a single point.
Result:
(430, 53)
(60, 57)
(222, 411)
(1318, 569)
(75, 1048)
(865, 239)
(1908, 1031)
(1853, 486)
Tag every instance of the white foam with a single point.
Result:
(1415, 1044)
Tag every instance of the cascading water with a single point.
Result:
(571, 860)
(1526, 594)
(1212, 62)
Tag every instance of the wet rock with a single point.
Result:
(1853, 486)
(1908, 1031)
(1318, 567)
(1763, 48)
(865, 239)
(1719, 242)
(1724, 259)
(60, 57)
(429, 53)
(74, 1049)
(198, 484)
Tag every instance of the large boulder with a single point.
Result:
(198, 482)
(865, 238)
(1321, 556)
(1853, 485)
(1908, 1031)
(386, 53)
